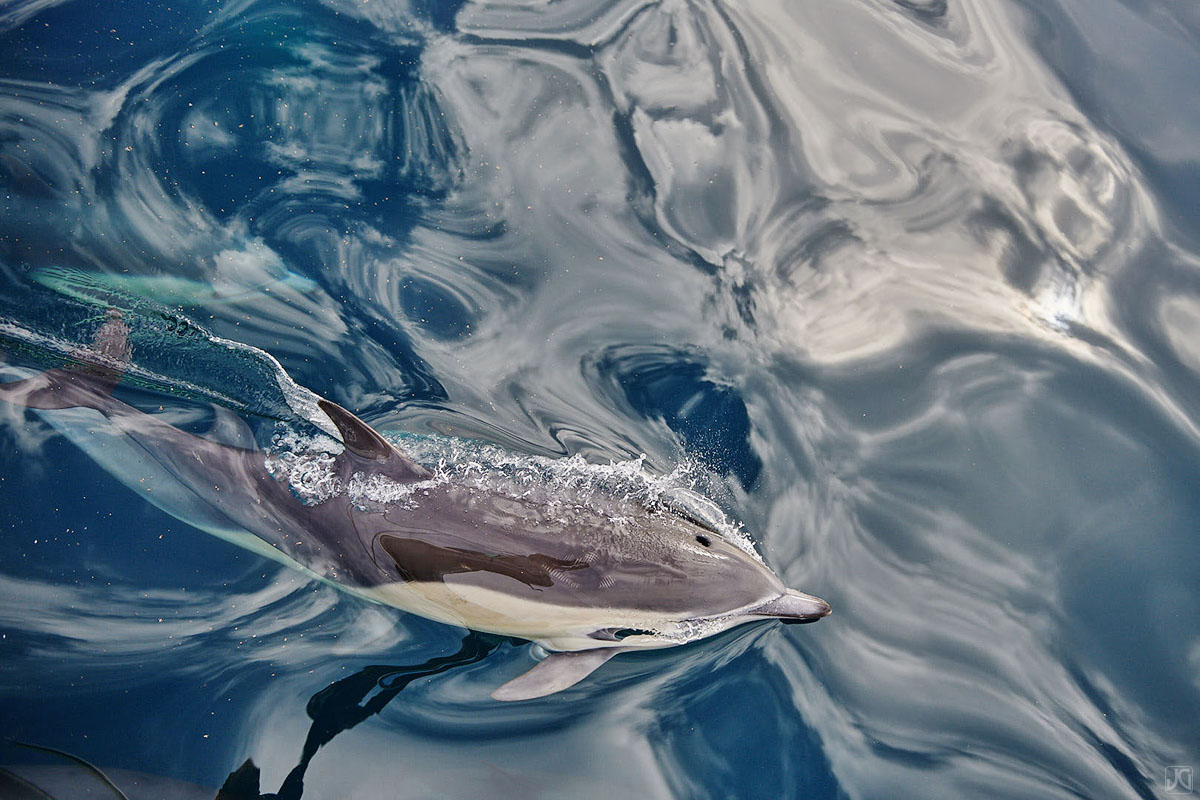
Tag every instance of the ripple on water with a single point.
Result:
(913, 281)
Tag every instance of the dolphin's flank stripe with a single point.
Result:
(416, 560)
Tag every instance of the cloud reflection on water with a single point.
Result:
(901, 239)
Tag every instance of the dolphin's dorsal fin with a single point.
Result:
(365, 442)
(87, 381)
(556, 672)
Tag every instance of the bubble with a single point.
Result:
(568, 488)
(306, 464)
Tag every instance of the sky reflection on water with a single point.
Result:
(916, 282)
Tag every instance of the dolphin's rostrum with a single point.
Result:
(579, 584)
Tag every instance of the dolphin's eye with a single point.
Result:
(704, 540)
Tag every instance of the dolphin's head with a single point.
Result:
(575, 577)
(716, 602)
(709, 584)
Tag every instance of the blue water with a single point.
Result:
(911, 288)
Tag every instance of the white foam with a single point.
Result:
(306, 463)
(367, 491)
(621, 491)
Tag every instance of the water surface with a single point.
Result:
(911, 289)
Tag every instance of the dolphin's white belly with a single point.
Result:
(555, 627)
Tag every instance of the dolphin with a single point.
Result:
(536, 564)
(82, 780)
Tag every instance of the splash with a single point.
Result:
(616, 489)
(620, 490)
(305, 463)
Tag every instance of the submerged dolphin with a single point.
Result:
(580, 583)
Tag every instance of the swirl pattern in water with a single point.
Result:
(911, 288)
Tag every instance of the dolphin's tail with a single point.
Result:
(88, 381)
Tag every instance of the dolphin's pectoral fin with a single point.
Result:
(365, 442)
(556, 672)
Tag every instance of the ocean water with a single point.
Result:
(909, 288)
